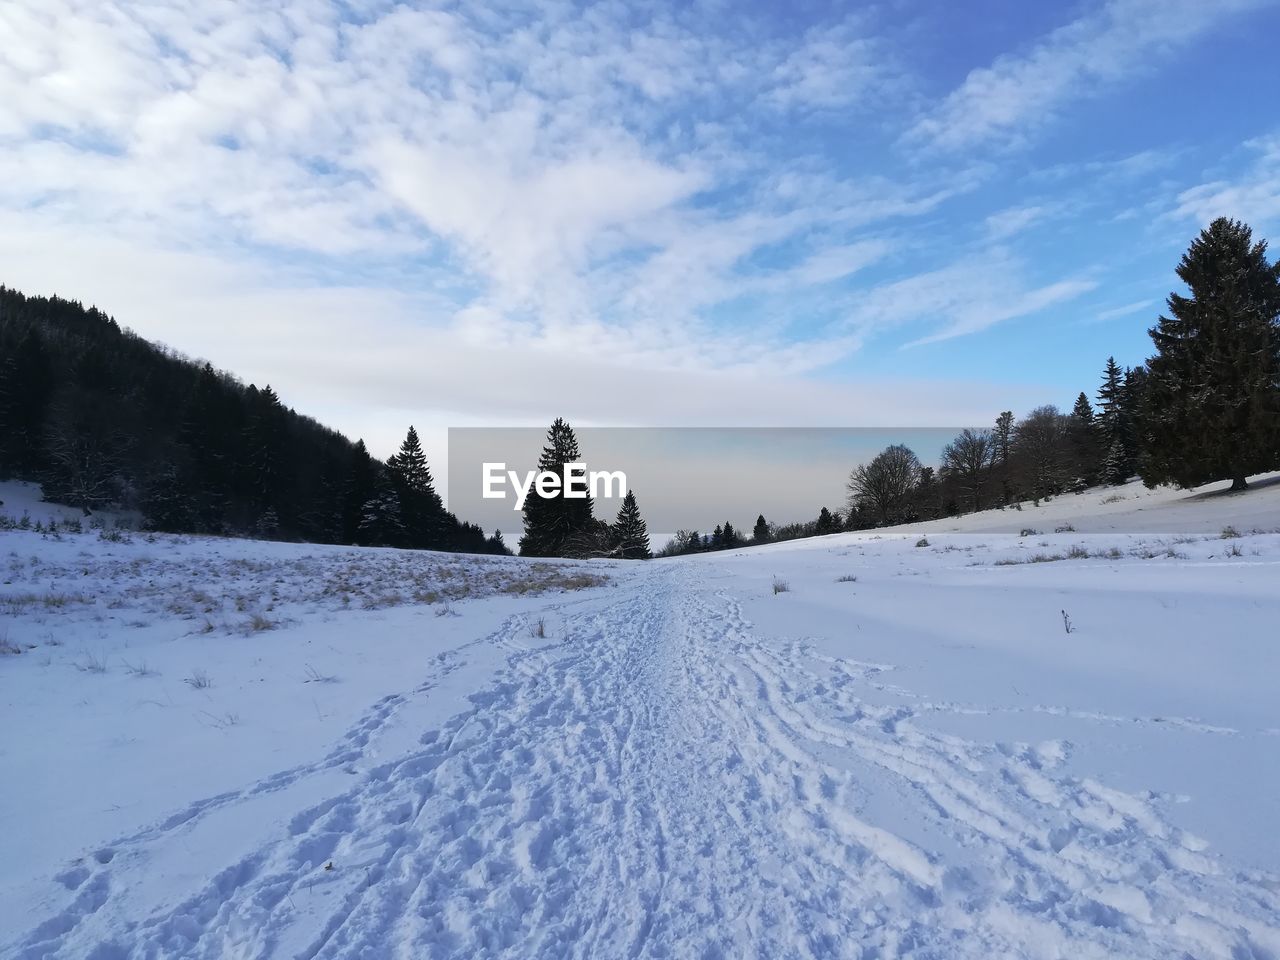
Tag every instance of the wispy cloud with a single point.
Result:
(558, 160)
(1127, 310)
(967, 296)
(665, 190)
(1006, 102)
(1253, 196)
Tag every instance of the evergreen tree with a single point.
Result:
(926, 499)
(1114, 435)
(210, 424)
(1212, 406)
(26, 389)
(630, 536)
(262, 466)
(1002, 437)
(167, 502)
(826, 523)
(1084, 440)
(1002, 447)
(357, 490)
(422, 510)
(1131, 402)
(760, 533)
(496, 545)
(556, 525)
(381, 520)
(729, 536)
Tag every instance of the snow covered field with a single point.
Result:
(966, 744)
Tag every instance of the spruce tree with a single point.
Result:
(26, 388)
(1131, 403)
(1114, 435)
(166, 502)
(760, 533)
(556, 525)
(1002, 443)
(262, 465)
(382, 521)
(1212, 405)
(826, 522)
(630, 536)
(422, 510)
(358, 489)
(1084, 441)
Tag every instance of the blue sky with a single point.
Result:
(629, 213)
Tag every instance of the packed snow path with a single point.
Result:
(657, 780)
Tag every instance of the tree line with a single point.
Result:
(100, 416)
(1204, 407)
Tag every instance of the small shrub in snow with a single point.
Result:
(1234, 551)
(1066, 622)
(1064, 528)
(847, 578)
(780, 586)
(7, 646)
(138, 669)
(199, 680)
(1077, 552)
(92, 663)
(1114, 498)
(922, 542)
(539, 629)
(1029, 532)
(1230, 533)
(315, 676)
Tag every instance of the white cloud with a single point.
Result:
(1008, 100)
(554, 159)
(361, 358)
(1253, 197)
(447, 209)
(964, 297)
(1126, 310)
(1005, 223)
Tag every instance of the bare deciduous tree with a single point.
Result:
(968, 460)
(884, 485)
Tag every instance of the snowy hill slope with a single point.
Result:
(1132, 508)
(1058, 745)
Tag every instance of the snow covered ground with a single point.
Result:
(961, 744)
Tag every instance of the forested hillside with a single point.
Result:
(101, 416)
